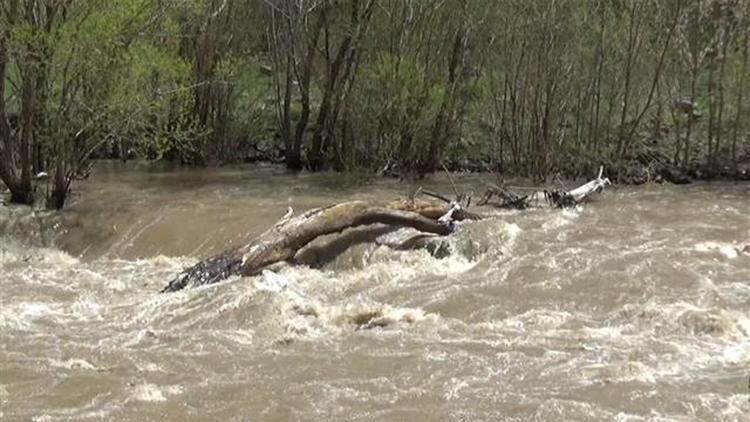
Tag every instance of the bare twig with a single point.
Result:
(450, 179)
(436, 196)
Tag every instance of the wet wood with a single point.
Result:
(288, 236)
(503, 197)
(282, 241)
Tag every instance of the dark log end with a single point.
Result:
(560, 199)
(205, 272)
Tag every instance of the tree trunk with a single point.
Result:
(720, 88)
(443, 126)
(633, 42)
(316, 158)
(282, 241)
(7, 170)
(291, 154)
(711, 112)
(60, 185)
(690, 118)
(294, 162)
(23, 193)
(740, 90)
(655, 81)
(594, 140)
(338, 83)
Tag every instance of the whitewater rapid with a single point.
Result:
(633, 307)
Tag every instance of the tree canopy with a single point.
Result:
(390, 86)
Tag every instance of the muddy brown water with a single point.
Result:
(633, 307)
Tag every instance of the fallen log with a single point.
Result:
(503, 197)
(282, 241)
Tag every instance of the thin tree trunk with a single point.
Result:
(303, 80)
(657, 75)
(316, 159)
(690, 117)
(23, 193)
(595, 127)
(442, 126)
(503, 128)
(720, 117)
(60, 186)
(632, 51)
(7, 167)
(740, 92)
(711, 112)
(338, 83)
(291, 155)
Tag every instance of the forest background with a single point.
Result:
(651, 89)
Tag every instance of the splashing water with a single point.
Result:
(632, 307)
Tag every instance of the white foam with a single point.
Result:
(456, 386)
(12, 252)
(149, 367)
(513, 233)
(148, 393)
(272, 282)
(74, 363)
(153, 393)
(540, 319)
(244, 337)
(24, 315)
(725, 249)
(562, 218)
(86, 308)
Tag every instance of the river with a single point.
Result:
(635, 306)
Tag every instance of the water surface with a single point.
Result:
(633, 307)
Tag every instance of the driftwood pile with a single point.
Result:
(437, 215)
(507, 198)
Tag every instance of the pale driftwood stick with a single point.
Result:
(416, 193)
(282, 241)
(582, 192)
(540, 198)
(450, 179)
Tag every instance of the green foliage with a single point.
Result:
(398, 104)
(529, 86)
(250, 103)
(151, 103)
